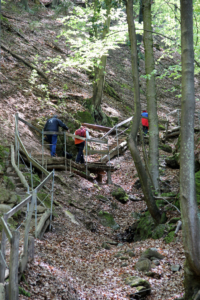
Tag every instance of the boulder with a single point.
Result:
(142, 292)
(134, 198)
(4, 208)
(13, 199)
(134, 281)
(120, 194)
(4, 195)
(105, 246)
(143, 264)
(151, 252)
(175, 268)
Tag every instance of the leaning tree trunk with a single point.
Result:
(99, 79)
(151, 95)
(189, 209)
(144, 179)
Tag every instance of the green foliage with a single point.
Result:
(22, 291)
(62, 8)
(84, 35)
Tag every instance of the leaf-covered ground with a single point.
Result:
(70, 262)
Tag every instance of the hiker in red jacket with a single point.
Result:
(145, 122)
(80, 144)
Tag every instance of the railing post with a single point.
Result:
(178, 110)
(52, 187)
(117, 144)
(3, 251)
(65, 151)
(13, 267)
(31, 174)
(27, 224)
(35, 202)
(42, 150)
(16, 141)
(86, 158)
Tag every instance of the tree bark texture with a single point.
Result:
(189, 209)
(99, 79)
(151, 95)
(144, 179)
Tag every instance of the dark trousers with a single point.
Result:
(145, 129)
(52, 139)
(80, 156)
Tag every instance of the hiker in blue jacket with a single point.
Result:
(53, 124)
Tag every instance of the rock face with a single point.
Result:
(120, 194)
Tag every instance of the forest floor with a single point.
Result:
(70, 262)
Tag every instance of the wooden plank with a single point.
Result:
(97, 127)
(98, 141)
(29, 124)
(7, 230)
(90, 151)
(53, 132)
(124, 122)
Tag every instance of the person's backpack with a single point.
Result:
(81, 132)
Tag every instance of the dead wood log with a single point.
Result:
(178, 227)
(172, 134)
(24, 61)
(43, 224)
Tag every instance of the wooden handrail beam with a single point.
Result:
(7, 230)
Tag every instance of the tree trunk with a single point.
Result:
(189, 209)
(99, 79)
(144, 179)
(151, 96)
(25, 4)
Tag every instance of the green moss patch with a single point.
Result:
(120, 195)
(158, 231)
(85, 117)
(107, 220)
(197, 182)
(170, 237)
